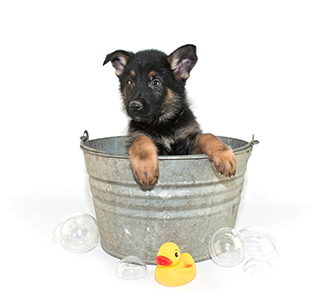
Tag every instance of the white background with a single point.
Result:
(259, 71)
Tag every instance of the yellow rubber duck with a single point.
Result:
(173, 268)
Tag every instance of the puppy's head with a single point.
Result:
(152, 83)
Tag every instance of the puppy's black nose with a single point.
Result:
(135, 105)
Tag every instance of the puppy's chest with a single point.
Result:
(172, 139)
(165, 144)
(172, 145)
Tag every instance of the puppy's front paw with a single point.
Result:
(146, 170)
(144, 160)
(224, 162)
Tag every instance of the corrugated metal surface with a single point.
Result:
(189, 202)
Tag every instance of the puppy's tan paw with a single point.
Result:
(146, 170)
(224, 162)
(219, 153)
(144, 160)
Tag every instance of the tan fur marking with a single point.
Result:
(133, 73)
(169, 100)
(170, 95)
(177, 76)
(144, 160)
(152, 73)
(219, 153)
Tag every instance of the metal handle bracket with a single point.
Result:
(254, 142)
(85, 136)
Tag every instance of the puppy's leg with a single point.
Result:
(219, 153)
(144, 160)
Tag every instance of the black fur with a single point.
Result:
(153, 90)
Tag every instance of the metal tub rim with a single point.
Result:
(85, 140)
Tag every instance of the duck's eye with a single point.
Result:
(176, 254)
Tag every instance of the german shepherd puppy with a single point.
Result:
(152, 86)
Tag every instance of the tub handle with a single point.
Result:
(85, 136)
(254, 142)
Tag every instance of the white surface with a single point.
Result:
(258, 72)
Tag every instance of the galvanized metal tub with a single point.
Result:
(189, 202)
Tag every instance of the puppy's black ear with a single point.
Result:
(182, 61)
(119, 60)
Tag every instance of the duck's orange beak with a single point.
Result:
(163, 261)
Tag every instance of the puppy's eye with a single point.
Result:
(130, 82)
(156, 83)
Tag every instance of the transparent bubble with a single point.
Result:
(257, 268)
(259, 243)
(77, 233)
(227, 247)
(131, 268)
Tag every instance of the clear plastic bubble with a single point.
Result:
(227, 247)
(257, 268)
(131, 268)
(77, 233)
(259, 243)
